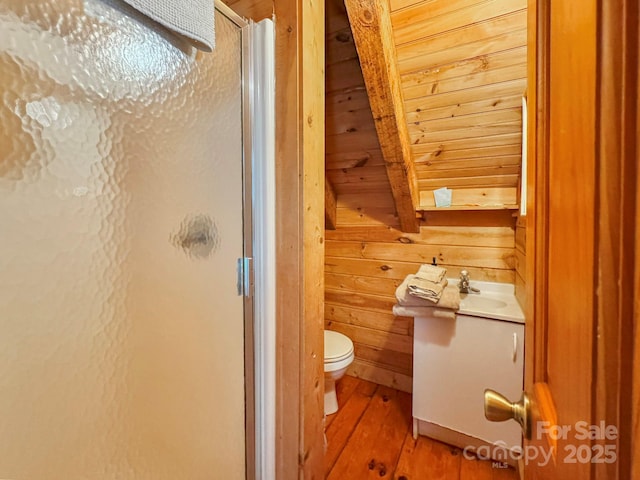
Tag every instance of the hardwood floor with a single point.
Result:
(370, 437)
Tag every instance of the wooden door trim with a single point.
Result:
(616, 376)
(617, 174)
(537, 191)
(635, 394)
(299, 239)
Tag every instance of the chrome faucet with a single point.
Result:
(465, 283)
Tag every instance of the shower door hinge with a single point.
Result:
(245, 276)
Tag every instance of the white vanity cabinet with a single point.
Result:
(455, 360)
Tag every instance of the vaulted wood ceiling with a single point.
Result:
(354, 164)
(461, 65)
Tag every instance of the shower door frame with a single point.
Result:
(258, 115)
(245, 277)
(247, 222)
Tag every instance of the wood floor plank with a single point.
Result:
(474, 469)
(505, 474)
(344, 422)
(344, 389)
(374, 447)
(426, 458)
(370, 437)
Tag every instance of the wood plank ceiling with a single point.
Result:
(462, 68)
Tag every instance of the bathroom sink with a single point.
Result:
(480, 302)
(495, 301)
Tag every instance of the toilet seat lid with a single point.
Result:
(336, 346)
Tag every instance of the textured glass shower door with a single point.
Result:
(121, 219)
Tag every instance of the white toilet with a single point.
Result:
(338, 355)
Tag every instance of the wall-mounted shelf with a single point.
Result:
(431, 208)
(473, 199)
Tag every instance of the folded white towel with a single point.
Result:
(191, 18)
(405, 297)
(450, 297)
(426, 289)
(432, 273)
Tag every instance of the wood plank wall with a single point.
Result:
(365, 260)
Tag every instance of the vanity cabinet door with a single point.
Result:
(454, 361)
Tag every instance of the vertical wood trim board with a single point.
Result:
(299, 233)
(288, 289)
(537, 146)
(312, 213)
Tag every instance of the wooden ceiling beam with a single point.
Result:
(371, 28)
(330, 205)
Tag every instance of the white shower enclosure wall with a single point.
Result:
(125, 203)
